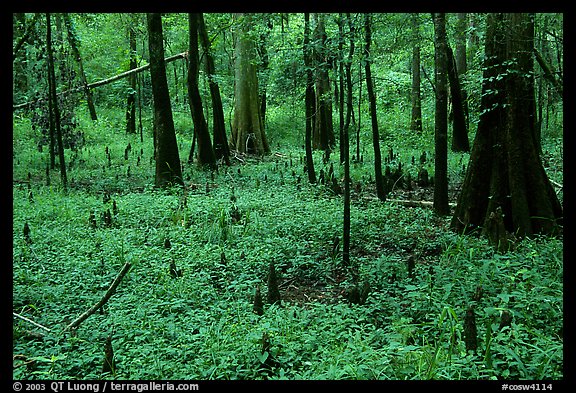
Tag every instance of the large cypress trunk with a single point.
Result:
(247, 129)
(505, 173)
(168, 169)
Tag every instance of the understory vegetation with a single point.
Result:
(199, 253)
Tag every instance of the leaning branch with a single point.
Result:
(105, 81)
(429, 80)
(102, 301)
(548, 72)
(134, 71)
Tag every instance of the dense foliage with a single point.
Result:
(200, 252)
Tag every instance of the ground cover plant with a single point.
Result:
(237, 273)
(201, 324)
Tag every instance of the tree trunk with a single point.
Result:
(73, 40)
(220, 146)
(248, 134)
(459, 131)
(54, 110)
(309, 100)
(168, 169)
(358, 128)
(380, 189)
(265, 62)
(416, 123)
(131, 100)
(28, 31)
(323, 137)
(341, 83)
(206, 155)
(346, 141)
(505, 173)
(441, 206)
(461, 59)
(20, 31)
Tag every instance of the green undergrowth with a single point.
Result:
(222, 231)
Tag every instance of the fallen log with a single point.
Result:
(409, 203)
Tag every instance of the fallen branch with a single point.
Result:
(105, 81)
(409, 203)
(102, 301)
(135, 70)
(237, 157)
(30, 321)
(24, 359)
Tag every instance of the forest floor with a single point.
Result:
(222, 231)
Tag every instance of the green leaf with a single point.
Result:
(263, 356)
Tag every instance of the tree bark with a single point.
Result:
(323, 137)
(131, 100)
(309, 100)
(505, 171)
(168, 167)
(441, 117)
(54, 110)
(206, 155)
(359, 109)
(264, 63)
(221, 150)
(459, 130)
(380, 189)
(346, 141)
(341, 83)
(248, 134)
(461, 59)
(416, 123)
